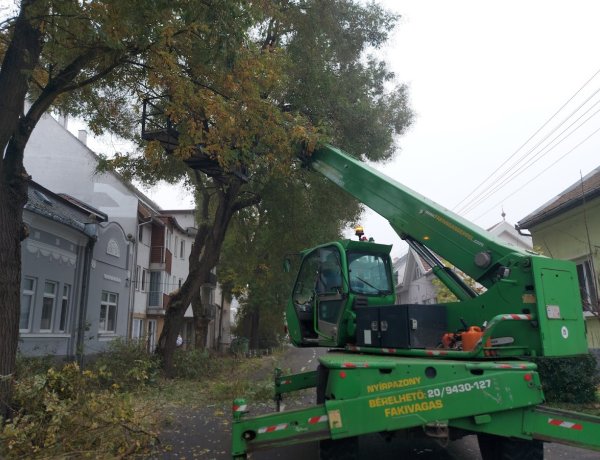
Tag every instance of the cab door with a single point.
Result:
(331, 295)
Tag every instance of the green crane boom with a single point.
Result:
(445, 370)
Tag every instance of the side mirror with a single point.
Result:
(288, 259)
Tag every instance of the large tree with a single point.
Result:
(239, 77)
(303, 73)
(297, 212)
(93, 59)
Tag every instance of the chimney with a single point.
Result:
(64, 120)
(82, 136)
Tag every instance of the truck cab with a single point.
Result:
(333, 280)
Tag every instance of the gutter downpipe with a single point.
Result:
(91, 230)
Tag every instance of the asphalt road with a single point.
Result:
(205, 433)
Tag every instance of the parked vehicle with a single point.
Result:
(443, 370)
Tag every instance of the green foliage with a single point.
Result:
(444, 295)
(28, 366)
(127, 364)
(67, 413)
(570, 380)
(337, 81)
(296, 213)
(196, 364)
(332, 79)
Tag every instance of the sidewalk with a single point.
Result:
(205, 432)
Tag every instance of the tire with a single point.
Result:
(494, 447)
(340, 449)
(329, 449)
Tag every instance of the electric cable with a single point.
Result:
(532, 160)
(538, 175)
(527, 141)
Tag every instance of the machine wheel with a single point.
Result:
(339, 449)
(494, 447)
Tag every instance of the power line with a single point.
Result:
(532, 160)
(537, 175)
(527, 141)
(477, 199)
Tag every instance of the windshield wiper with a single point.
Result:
(379, 291)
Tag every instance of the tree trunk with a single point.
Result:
(201, 324)
(171, 329)
(254, 326)
(14, 196)
(201, 321)
(203, 258)
(219, 335)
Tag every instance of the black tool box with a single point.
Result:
(400, 326)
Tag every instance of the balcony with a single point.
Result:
(161, 259)
(158, 302)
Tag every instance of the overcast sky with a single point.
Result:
(483, 77)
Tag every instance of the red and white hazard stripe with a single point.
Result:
(389, 350)
(241, 408)
(285, 382)
(565, 424)
(354, 365)
(517, 317)
(511, 366)
(272, 428)
(352, 348)
(436, 353)
(318, 419)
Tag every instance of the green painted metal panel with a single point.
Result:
(385, 393)
(559, 307)
(410, 213)
(548, 424)
(283, 428)
(541, 423)
(294, 382)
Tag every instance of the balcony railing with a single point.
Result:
(157, 126)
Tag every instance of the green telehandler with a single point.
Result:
(443, 370)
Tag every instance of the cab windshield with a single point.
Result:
(369, 274)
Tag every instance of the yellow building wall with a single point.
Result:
(593, 331)
(570, 236)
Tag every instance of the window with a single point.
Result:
(182, 249)
(151, 335)
(144, 279)
(48, 303)
(180, 282)
(168, 240)
(140, 234)
(369, 274)
(589, 296)
(155, 293)
(27, 302)
(305, 284)
(138, 277)
(137, 329)
(175, 246)
(64, 308)
(108, 312)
